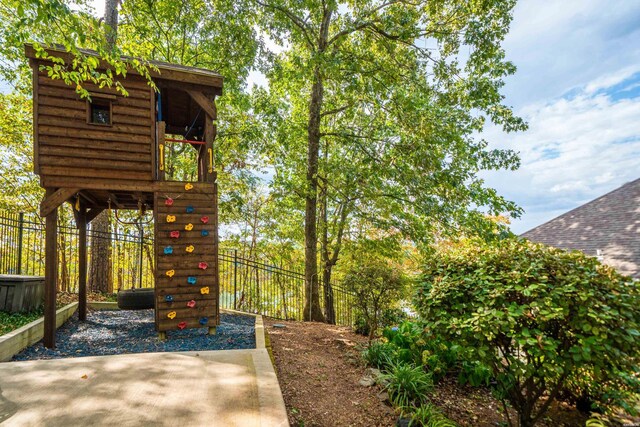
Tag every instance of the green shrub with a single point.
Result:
(379, 354)
(536, 317)
(416, 345)
(429, 415)
(407, 385)
(377, 286)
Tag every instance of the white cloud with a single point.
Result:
(575, 150)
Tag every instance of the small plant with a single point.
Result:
(379, 354)
(429, 415)
(407, 385)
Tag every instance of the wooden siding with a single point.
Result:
(203, 198)
(69, 147)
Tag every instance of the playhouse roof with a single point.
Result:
(607, 227)
(166, 71)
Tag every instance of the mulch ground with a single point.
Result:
(128, 331)
(319, 371)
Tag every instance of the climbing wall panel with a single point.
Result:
(187, 287)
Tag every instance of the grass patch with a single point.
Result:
(12, 321)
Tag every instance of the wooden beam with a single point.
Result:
(53, 200)
(115, 201)
(205, 103)
(50, 274)
(82, 262)
(92, 214)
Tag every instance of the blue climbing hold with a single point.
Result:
(168, 298)
(204, 233)
(168, 250)
(192, 280)
(190, 209)
(204, 320)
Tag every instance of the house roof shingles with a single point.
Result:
(610, 223)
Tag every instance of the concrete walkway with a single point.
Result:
(205, 388)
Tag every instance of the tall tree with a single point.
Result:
(400, 59)
(100, 276)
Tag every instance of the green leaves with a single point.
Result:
(541, 317)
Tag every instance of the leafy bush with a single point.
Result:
(429, 415)
(377, 286)
(536, 317)
(379, 354)
(416, 345)
(407, 385)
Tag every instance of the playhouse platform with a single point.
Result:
(206, 388)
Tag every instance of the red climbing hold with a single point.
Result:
(204, 219)
(169, 201)
(191, 304)
(182, 325)
(174, 234)
(203, 266)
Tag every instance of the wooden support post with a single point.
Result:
(82, 262)
(50, 274)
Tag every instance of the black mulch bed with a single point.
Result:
(121, 332)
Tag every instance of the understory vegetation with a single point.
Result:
(12, 321)
(530, 323)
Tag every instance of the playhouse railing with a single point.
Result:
(246, 284)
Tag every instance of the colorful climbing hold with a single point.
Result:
(168, 201)
(203, 266)
(205, 290)
(188, 227)
(204, 320)
(168, 250)
(191, 280)
(204, 233)
(174, 234)
(171, 218)
(204, 219)
(168, 298)
(182, 325)
(170, 273)
(188, 186)
(171, 315)
(190, 209)
(189, 248)
(191, 303)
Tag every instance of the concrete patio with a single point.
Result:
(206, 388)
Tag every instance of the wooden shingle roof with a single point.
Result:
(609, 224)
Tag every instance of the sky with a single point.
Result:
(578, 87)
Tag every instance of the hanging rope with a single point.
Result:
(141, 209)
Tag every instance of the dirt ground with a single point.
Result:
(319, 374)
(319, 371)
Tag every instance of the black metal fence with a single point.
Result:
(249, 285)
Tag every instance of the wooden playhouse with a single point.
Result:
(109, 153)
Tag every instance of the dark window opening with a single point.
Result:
(100, 112)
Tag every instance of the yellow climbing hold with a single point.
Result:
(170, 273)
(171, 218)
(189, 248)
(171, 315)
(205, 290)
(188, 186)
(188, 227)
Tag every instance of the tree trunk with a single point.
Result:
(100, 267)
(111, 19)
(327, 265)
(312, 310)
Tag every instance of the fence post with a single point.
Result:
(20, 234)
(235, 279)
(140, 243)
